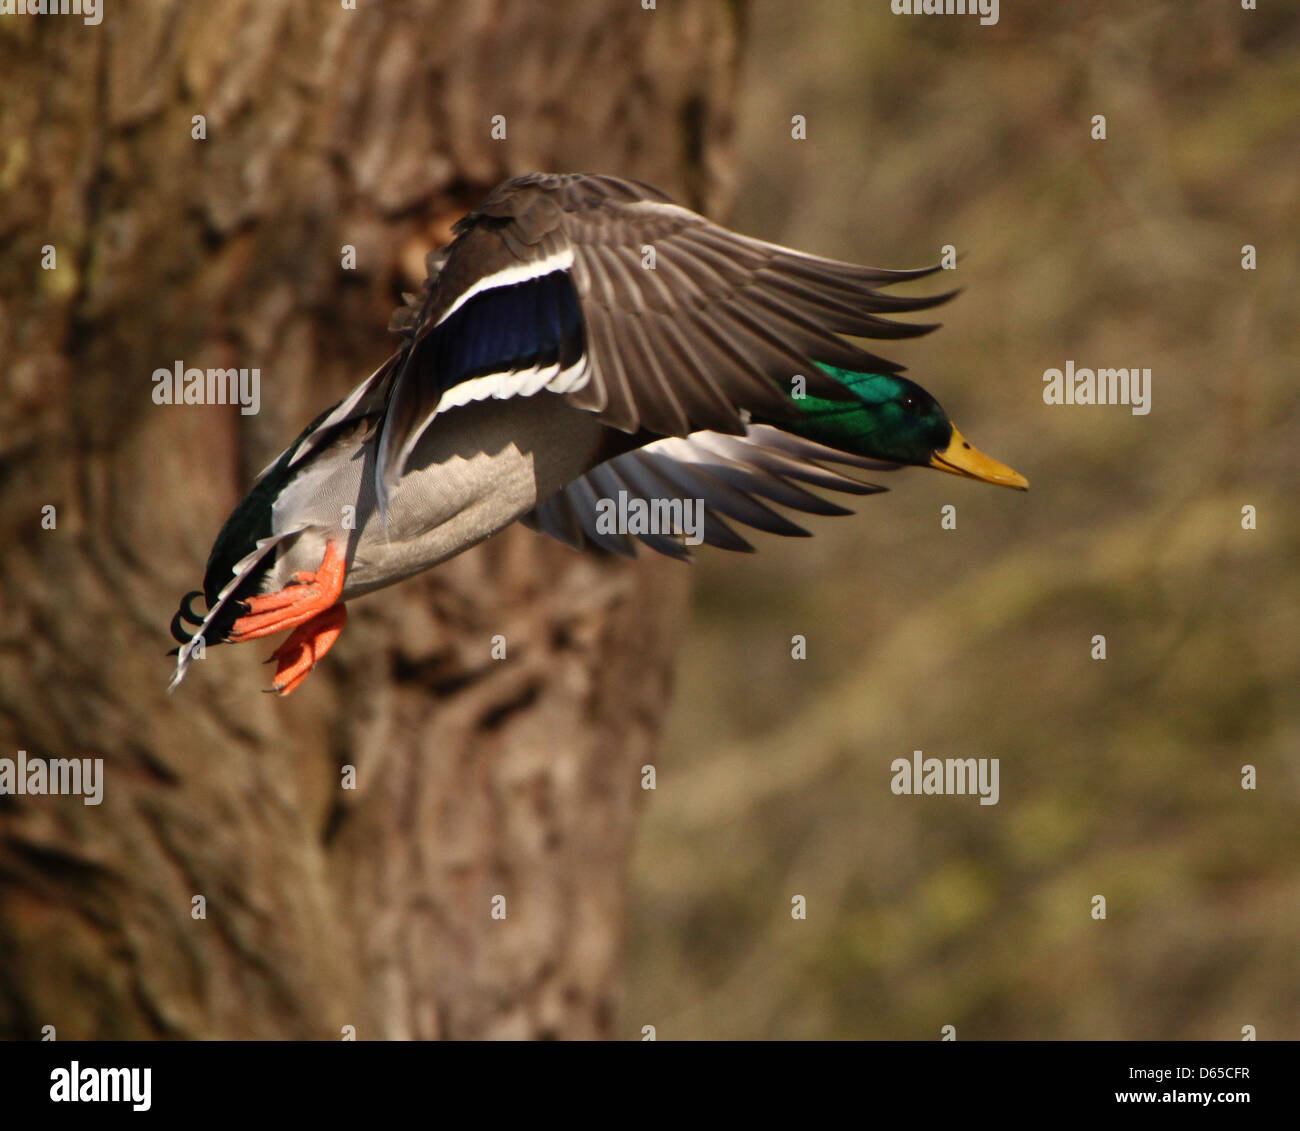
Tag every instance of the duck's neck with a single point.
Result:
(854, 425)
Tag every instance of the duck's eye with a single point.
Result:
(910, 403)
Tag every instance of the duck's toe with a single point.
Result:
(295, 604)
(308, 643)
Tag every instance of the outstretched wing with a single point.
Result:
(633, 307)
(726, 476)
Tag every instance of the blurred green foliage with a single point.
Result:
(1119, 777)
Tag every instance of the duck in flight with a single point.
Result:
(582, 336)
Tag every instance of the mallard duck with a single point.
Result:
(581, 336)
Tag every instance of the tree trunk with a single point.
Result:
(325, 906)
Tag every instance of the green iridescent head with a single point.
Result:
(894, 419)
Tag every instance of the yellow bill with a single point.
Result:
(960, 458)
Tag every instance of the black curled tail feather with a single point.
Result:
(226, 605)
(186, 614)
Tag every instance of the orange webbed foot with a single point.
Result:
(295, 604)
(309, 642)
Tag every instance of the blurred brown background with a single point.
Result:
(1121, 777)
(472, 884)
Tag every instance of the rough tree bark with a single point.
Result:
(475, 778)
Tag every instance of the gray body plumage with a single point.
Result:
(466, 479)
